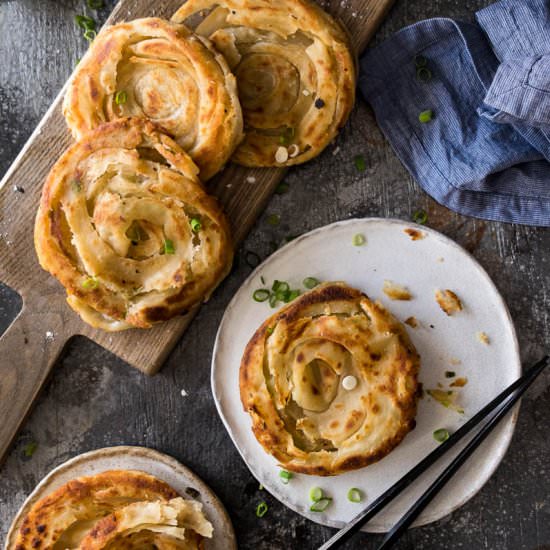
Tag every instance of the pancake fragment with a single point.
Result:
(128, 230)
(117, 509)
(295, 73)
(154, 69)
(330, 382)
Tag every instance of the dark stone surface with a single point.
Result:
(95, 400)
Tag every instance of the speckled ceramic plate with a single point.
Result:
(146, 460)
(445, 344)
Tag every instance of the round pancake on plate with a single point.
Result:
(330, 382)
(127, 228)
(62, 518)
(295, 73)
(155, 69)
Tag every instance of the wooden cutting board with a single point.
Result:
(31, 345)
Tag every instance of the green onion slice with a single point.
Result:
(425, 116)
(90, 35)
(169, 247)
(282, 286)
(359, 239)
(90, 283)
(292, 295)
(274, 219)
(285, 476)
(441, 435)
(196, 225)
(273, 300)
(121, 97)
(95, 4)
(320, 505)
(420, 217)
(77, 186)
(315, 494)
(450, 374)
(84, 22)
(360, 163)
(269, 330)
(310, 282)
(423, 74)
(30, 448)
(420, 61)
(262, 279)
(261, 295)
(261, 509)
(354, 495)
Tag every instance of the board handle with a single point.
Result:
(29, 349)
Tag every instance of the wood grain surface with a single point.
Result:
(33, 342)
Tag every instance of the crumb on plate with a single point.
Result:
(448, 301)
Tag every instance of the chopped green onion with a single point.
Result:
(285, 476)
(30, 448)
(425, 116)
(90, 35)
(441, 435)
(354, 495)
(252, 260)
(261, 509)
(269, 330)
(320, 505)
(310, 282)
(169, 247)
(261, 295)
(282, 286)
(274, 219)
(286, 137)
(262, 279)
(91, 283)
(420, 61)
(450, 374)
(273, 300)
(423, 74)
(196, 225)
(77, 186)
(95, 4)
(282, 295)
(315, 494)
(85, 22)
(281, 189)
(292, 295)
(121, 97)
(260, 487)
(360, 163)
(358, 239)
(420, 217)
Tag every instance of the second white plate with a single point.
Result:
(445, 344)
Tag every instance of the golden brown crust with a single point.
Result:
(114, 226)
(291, 382)
(295, 71)
(154, 69)
(86, 499)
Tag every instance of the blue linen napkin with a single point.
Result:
(485, 152)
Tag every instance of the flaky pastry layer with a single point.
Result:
(292, 382)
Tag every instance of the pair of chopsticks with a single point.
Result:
(492, 412)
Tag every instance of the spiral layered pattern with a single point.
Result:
(295, 73)
(117, 509)
(127, 228)
(330, 382)
(150, 68)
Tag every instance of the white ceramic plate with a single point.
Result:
(423, 266)
(146, 460)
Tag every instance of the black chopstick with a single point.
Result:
(499, 403)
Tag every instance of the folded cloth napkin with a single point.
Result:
(486, 150)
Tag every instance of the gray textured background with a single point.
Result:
(95, 400)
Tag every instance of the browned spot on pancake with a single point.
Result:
(300, 357)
